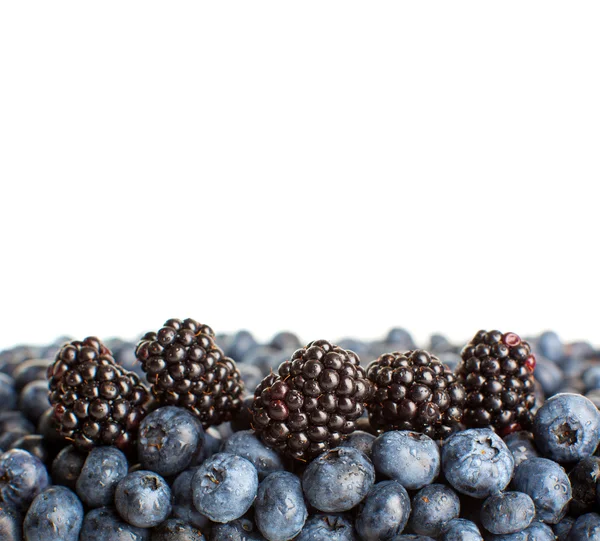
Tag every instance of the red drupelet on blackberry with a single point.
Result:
(95, 401)
(186, 368)
(415, 391)
(313, 402)
(497, 372)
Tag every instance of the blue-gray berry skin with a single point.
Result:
(67, 466)
(410, 458)
(8, 393)
(54, 515)
(10, 523)
(432, 507)
(246, 444)
(33, 400)
(361, 440)
(586, 528)
(384, 513)
(175, 529)
(143, 499)
(538, 531)
(241, 529)
(521, 446)
(168, 439)
(224, 487)
(104, 524)
(280, 511)
(183, 501)
(338, 480)
(562, 529)
(477, 462)
(412, 537)
(211, 446)
(567, 427)
(509, 512)
(22, 478)
(104, 467)
(324, 527)
(547, 485)
(460, 529)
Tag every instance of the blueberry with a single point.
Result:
(31, 370)
(176, 529)
(432, 507)
(183, 501)
(285, 340)
(586, 528)
(521, 446)
(247, 445)
(33, 400)
(280, 511)
(460, 529)
(538, 531)
(8, 393)
(584, 477)
(239, 345)
(22, 477)
(224, 487)
(410, 458)
(477, 462)
(550, 346)
(104, 467)
(547, 485)
(562, 529)
(251, 375)
(211, 446)
(67, 466)
(327, 528)
(400, 338)
(361, 440)
(508, 512)
(384, 512)
(34, 444)
(143, 499)
(338, 479)
(54, 515)
(549, 375)
(10, 523)
(104, 524)
(241, 529)
(411, 537)
(13, 425)
(567, 427)
(47, 428)
(591, 378)
(168, 439)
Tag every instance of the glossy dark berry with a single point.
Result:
(186, 368)
(497, 373)
(95, 401)
(415, 391)
(313, 402)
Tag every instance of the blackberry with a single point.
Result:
(95, 401)
(497, 372)
(415, 391)
(186, 368)
(313, 402)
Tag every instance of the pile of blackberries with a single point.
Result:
(193, 436)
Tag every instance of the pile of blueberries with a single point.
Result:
(223, 484)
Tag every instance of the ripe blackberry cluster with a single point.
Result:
(497, 372)
(186, 368)
(415, 391)
(313, 402)
(95, 401)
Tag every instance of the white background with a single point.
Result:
(334, 168)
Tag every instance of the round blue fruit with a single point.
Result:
(477, 462)
(54, 515)
(143, 499)
(508, 512)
